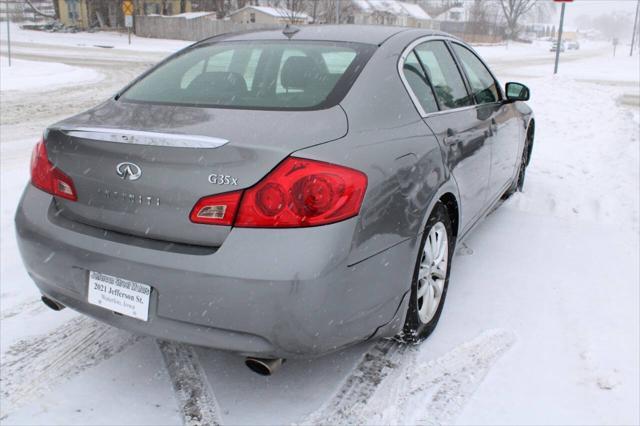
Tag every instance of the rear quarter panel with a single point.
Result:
(389, 141)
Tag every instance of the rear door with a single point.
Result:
(460, 128)
(503, 126)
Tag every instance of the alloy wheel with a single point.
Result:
(433, 272)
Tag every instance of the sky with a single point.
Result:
(594, 8)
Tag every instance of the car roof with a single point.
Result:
(370, 34)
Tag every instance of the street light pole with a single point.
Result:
(337, 11)
(559, 45)
(635, 28)
(6, 8)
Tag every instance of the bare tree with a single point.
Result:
(478, 18)
(514, 10)
(221, 8)
(326, 11)
(434, 8)
(293, 10)
(39, 12)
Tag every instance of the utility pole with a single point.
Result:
(635, 28)
(337, 11)
(559, 45)
(6, 8)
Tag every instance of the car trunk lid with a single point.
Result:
(181, 155)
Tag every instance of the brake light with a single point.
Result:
(301, 192)
(216, 209)
(47, 177)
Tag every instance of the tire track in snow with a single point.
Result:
(406, 391)
(360, 385)
(33, 365)
(195, 397)
(32, 307)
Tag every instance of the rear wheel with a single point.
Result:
(518, 183)
(431, 277)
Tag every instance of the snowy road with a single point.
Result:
(542, 318)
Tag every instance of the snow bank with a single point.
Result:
(92, 40)
(30, 75)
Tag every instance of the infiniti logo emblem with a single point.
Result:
(129, 171)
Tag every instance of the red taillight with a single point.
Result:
(216, 209)
(301, 192)
(49, 178)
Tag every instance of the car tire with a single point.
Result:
(518, 183)
(430, 278)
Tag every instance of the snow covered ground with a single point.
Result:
(33, 75)
(542, 320)
(98, 40)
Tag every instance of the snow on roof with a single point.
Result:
(188, 15)
(393, 7)
(415, 11)
(363, 5)
(278, 12)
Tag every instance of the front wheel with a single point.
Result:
(431, 277)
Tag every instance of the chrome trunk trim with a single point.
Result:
(140, 137)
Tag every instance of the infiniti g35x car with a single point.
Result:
(276, 194)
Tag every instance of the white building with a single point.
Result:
(268, 15)
(389, 12)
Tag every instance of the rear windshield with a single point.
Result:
(255, 75)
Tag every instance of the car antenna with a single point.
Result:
(290, 31)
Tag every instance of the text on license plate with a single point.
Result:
(119, 295)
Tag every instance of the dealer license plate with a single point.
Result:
(119, 295)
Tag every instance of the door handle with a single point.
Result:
(493, 127)
(451, 137)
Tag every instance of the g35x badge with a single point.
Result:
(218, 179)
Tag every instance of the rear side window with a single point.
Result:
(417, 80)
(444, 75)
(482, 83)
(255, 75)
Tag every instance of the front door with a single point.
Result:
(461, 129)
(504, 131)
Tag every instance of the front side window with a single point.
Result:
(482, 83)
(255, 75)
(417, 80)
(444, 75)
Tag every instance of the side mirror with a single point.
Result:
(517, 92)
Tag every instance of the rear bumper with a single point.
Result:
(270, 293)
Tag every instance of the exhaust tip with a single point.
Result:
(264, 367)
(52, 304)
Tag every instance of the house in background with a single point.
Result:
(389, 12)
(455, 14)
(74, 13)
(20, 11)
(268, 15)
(87, 13)
(163, 7)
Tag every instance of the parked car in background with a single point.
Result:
(276, 193)
(573, 45)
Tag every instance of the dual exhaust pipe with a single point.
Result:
(52, 304)
(262, 366)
